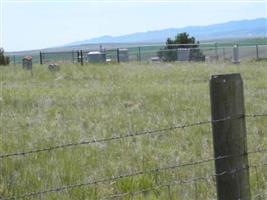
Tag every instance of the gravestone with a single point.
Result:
(155, 59)
(123, 55)
(53, 67)
(96, 57)
(27, 63)
(183, 54)
(235, 55)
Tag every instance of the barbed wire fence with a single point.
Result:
(123, 136)
(139, 173)
(232, 172)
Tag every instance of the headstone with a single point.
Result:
(96, 57)
(155, 59)
(235, 55)
(183, 54)
(27, 63)
(208, 59)
(124, 56)
(53, 67)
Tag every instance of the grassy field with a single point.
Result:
(88, 102)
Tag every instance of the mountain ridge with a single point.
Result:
(232, 29)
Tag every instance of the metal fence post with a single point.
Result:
(216, 51)
(223, 53)
(41, 58)
(139, 54)
(229, 137)
(78, 56)
(14, 59)
(257, 52)
(72, 54)
(81, 53)
(118, 55)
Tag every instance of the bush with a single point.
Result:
(169, 52)
(4, 60)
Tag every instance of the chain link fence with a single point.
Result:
(147, 53)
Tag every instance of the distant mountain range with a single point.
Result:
(224, 32)
(229, 30)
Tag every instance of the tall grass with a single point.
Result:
(97, 101)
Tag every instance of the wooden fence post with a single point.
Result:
(229, 137)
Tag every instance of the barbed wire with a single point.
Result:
(256, 115)
(115, 178)
(188, 181)
(138, 173)
(156, 170)
(94, 141)
(119, 137)
(173, 183)
(170, 184)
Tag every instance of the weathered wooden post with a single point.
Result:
(229, 137)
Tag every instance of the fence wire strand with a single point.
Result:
(138, 173)
(177, 182)
(106, 180)
(102, 140)
(119, 137)
(115, 178)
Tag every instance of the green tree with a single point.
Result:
(181, 41)
(4, 60)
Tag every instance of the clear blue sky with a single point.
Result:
(32, 25)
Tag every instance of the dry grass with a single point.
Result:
(80, 103)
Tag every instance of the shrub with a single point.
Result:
(4, 60)
(169, 52)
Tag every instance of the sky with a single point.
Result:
(36, 24)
